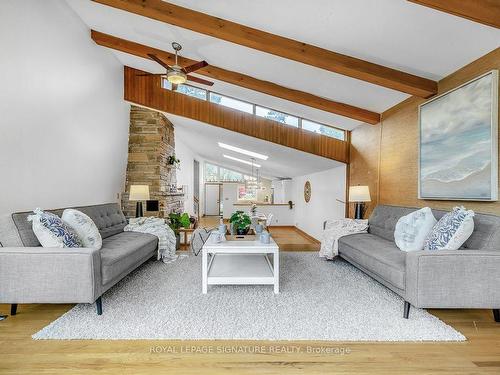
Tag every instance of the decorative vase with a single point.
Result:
(222, 228)
(265, 237)
(258, 229)
(177, 241)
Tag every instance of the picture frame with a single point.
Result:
(458, 142)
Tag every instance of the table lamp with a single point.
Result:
(139, 193)
(359, 195)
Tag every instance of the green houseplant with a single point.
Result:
(173, 161)
(177, 221)
(240, 222)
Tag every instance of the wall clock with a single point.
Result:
(307, 191)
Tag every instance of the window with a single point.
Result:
(188, 90)
(231, 103)
(246, 195)
(277, 116)
(323, 129)
(211, 173)
(267, 113)
(227, 175)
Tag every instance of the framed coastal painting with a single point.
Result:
(458, 151)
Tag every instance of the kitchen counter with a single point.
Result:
(261, 204)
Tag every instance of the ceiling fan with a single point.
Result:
(176, 74)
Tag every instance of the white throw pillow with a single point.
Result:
(84, 227)
(412, 229)
(451, 231)
(51, 231)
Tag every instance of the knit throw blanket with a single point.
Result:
(338, 228)
(156, 226)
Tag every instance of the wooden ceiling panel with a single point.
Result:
(147, 91)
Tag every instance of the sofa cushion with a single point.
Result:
(108, 218)
(125, 251)
(84, 227)
(51, 231)
(376, 255)
(412, 229)
(486, 235)
(452, 230)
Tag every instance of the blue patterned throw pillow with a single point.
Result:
(51, 230)
(451, 231)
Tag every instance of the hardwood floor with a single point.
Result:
(288, 238)
(292, 239)
(19, 354)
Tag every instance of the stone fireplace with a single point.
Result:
(151, 142)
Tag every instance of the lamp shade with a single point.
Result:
(359, 194)
(139, 193)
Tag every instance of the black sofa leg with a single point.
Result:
(98, 304)
(13, 309)
(496, 315)
(406, 312)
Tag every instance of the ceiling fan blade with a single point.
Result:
(174, 86)
(199, 80)
(195, 66)
(155, 58)
(150, 74)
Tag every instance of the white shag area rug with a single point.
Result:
(319, 300)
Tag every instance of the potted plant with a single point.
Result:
(240, 222)
(177, 221)
(192, 222)
(173, 161)
(253, 210)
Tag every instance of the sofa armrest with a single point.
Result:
(49, 275)
(453, 278)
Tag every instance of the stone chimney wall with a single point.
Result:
(151, 142)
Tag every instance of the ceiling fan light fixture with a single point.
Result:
(176, 77)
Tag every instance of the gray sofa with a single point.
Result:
(35, 274)
(464, 278)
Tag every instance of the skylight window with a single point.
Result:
(268, 113)
(231, 103)
(243, 151)
(323, 129)
(188, 90)
(271, 114)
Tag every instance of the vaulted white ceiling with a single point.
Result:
(394, 33)
(282, 161)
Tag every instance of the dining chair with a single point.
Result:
(269, 220)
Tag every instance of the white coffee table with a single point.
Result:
(240, 262)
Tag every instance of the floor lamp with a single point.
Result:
(359, 195)
(139, 193)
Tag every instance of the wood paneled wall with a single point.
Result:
(385, 156)
(147, 91)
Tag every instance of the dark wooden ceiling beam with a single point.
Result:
(242, 80)
(486, 12)
(277, 45)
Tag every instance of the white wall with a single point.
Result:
(185, 175)
(326, 187)
(265, 192)
(229, 198)
(63, 121)
(282, 190)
